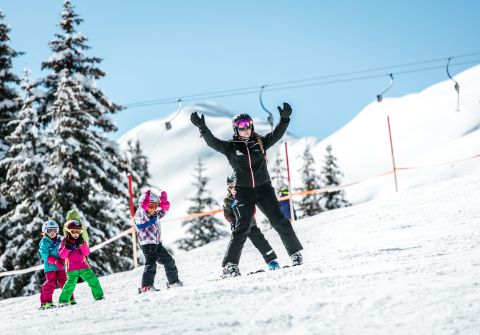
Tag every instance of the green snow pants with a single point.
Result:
(72, 277)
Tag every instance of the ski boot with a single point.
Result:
(296, 258)
(273, 265)
(178, 283)
(47, 305)
(73, 302)
(147, 288)
(230, 270)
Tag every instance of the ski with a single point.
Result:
(254, 272)
(151, 289)
(222, 278)
(262, 270)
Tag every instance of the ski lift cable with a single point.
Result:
(169, 100)
(269, 89)
(254, 90)
(457, 86)
(333, 81)
(380, 96)
(365, 71)
(270, 116)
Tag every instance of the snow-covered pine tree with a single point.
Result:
(330, 177)
(10, 102)
(26, 188)
(69, 55)
(309, 204)
(203, 229)
(89, 169)
(139, 164)
(279, 172)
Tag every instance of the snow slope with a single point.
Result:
(406, 263)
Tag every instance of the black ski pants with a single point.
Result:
(260, 242)
(264, 197)
(157, 253)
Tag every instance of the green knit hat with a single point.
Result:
(73, 215)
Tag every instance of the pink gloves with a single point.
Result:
(58, 262)
(164, 204)
(146, 201)
(84, 249)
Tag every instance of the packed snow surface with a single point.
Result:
(406, 263)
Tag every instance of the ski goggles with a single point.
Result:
(231, 187)
(52, 230)
(244, 124)
(75, 231)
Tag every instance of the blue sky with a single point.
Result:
(156, 49)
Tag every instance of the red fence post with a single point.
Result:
(132, 213)
(393, 156)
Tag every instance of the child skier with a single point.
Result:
(147, 222)
(231, 213)
(74, 249)
(53, 265)
(285, 204)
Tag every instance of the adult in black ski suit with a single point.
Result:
(246, 154)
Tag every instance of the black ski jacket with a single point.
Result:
(245, 156)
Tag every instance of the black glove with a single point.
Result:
(68, 242)
(286, 111)
(197, 120)
(80, 240)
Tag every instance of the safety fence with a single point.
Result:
(213, 212)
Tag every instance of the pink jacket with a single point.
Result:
(75, 259)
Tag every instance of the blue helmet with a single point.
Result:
(232, 178)
(49, 224)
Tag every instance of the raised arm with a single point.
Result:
(271, 138)
(212, 141)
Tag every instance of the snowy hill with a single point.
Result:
(426, 131)
(405, 263)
